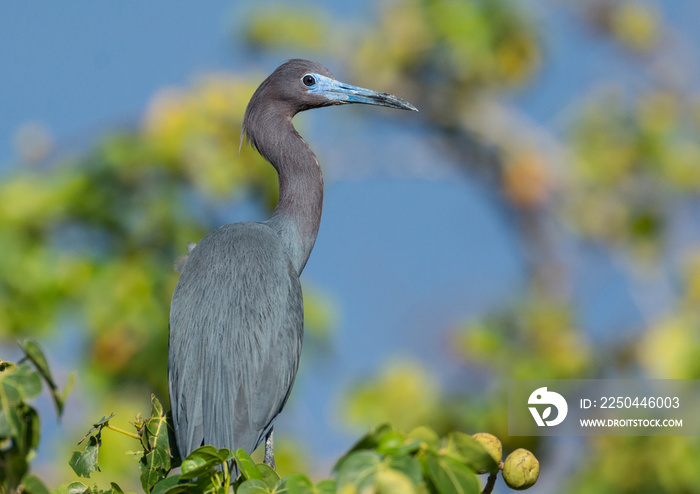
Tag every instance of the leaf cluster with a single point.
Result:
(386, 460)
(85, 462)
(383, 461)
(19, 422)
(158, 455)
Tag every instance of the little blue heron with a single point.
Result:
(236, 319)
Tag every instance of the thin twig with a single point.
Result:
(490, 483)
(122, 431)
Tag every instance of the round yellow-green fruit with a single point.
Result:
(492, 446)
(521, 469)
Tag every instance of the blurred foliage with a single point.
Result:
(634, 161)
(455, 47)
(19, 421)
(409, 394)
(636, 25)
(533, 340)
(92, 239)
(404, 393)
(652, 464)
(287, 25)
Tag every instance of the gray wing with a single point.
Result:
(236, 326)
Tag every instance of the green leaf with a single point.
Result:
(5, 427)
(21, 424)
(103, 421)
(327, 486)
(85, 463)
(359, 469)
(156, 407)
(157, 459)
(115, 489)
(425, 435)
(367, 442)
(397, 444)
(408, 465)
(203, 460)
(448, 476)
(393, 482)
(29, 439)
(269, 476)
(59, 398)
(150, 474)
(175, 460)
(34, 353)
(18, 384)
(368, 470)
(97, 427)
(466, 449)
(390, 443)
(213, 483)
(13, 471)
(253, 486)
(80, 488)
(164, 485)
(176, 487)
(187, 488)
(71, 488)
(246, 465)
(12, 422)
(372, 438)
(298, 483)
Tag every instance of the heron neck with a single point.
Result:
(297, 216)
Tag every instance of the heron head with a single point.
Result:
(299, 85)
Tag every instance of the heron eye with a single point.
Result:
(308, 80)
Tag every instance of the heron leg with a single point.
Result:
(269, 451)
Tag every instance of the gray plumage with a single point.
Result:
(223, 322)
(236, 319)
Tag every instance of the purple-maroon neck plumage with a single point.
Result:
(296, 86)
(268, 126)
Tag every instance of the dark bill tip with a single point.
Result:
(341, 93)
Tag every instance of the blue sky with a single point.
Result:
(408, 248)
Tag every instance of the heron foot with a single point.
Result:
(269, 451)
